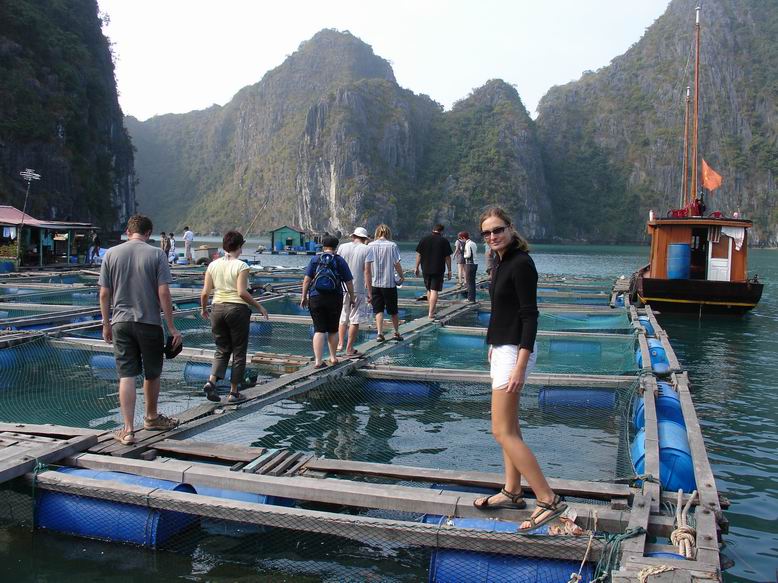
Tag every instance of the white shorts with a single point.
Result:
(359, 313)
(503, 362)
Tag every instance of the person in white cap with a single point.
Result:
(359, 257)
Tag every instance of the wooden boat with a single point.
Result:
(716, 279)
(697, 263)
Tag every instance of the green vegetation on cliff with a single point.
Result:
(59, 113)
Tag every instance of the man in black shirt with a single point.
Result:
(433, 254)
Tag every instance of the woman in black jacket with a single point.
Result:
(511, 336)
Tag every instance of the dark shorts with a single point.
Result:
(433, 281)
(138, 347)
(384, 298)
(325, 312)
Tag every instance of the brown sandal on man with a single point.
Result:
(552, 510)
(124, 437)
(515, 501)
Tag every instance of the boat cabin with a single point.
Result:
(713, 249)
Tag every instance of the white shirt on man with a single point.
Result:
(356, 255)
(386, 255)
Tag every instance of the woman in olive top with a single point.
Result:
(511, 336)
(227, 277)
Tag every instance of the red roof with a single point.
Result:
(13, 216)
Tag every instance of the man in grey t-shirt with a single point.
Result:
(134, 279)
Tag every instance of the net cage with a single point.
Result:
(617, 322)
(425, 424)
(578, 433)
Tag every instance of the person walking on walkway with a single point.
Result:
(433, 255)
(325, 278)
(188, 242)
(459, 258)
(387, 273)
(469, 253)
(228, 279)
(511, 336)
(172, 257)
(359, 258)
(134, 279)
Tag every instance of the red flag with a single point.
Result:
(710, 178)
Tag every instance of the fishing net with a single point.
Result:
(559, 321)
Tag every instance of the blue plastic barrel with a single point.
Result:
(237, 529)
(679, 257)
(103, 367)
(554, 398)
(262, 328)
(452, 566)
(9, 358)
(665, 555)
(109, 520)
(659, 363)
(279, 246)
(668, 407)
(401, 388)
(482, 318)
(676, 470)
(575, 346)
(453, 341)
(198, 372)
(646, 323)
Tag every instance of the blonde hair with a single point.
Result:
(384, 231)
(518, 241)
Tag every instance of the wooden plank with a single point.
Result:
(298, 465)
(49, 430)
(651, 460)
(290, 461)
(334, 491)
(707, 536)
(13, 468)
(672, 359)
(351, 526)
(598, 490)
(645, 353)
(210, 450)
(475, 376)
(261, 460)
(638, 518)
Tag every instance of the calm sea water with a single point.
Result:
(733, 364)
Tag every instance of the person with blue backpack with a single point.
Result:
(326, 278)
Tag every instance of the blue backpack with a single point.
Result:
(326, 279)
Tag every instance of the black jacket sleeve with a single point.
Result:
(525, 281)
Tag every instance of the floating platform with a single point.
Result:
(301, 458)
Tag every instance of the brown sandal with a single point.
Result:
(515, 501)
(555, 509)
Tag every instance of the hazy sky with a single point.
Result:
(179, 55)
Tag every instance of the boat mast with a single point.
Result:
(685, 195)
(695, 136)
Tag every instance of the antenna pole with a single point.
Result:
(695, 137)
(685, 196)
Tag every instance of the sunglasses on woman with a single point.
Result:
(495, 231)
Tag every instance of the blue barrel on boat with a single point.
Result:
(198, 372)
(109, 520)
(679, 256)
(646, 323)
(554, 398)
(451, 566)
(668, 407)
(676, 470)
(575, 346)
(659, 362)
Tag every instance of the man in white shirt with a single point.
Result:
(470, 252)
(387, 274)
(359, 257)
(188, 241)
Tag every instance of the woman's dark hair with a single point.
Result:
(232, 241)
(519, 241)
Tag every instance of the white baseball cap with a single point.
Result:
(360, 232)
